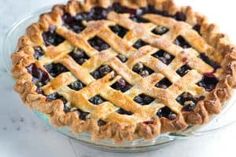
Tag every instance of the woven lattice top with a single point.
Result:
(141, 48)
(132, 64)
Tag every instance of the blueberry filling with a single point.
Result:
(79, 56)
(180, 16)
(206, 59)
(82, 16)
(74, 22)
(197, 28)
(82, 115)
(121, 85)
(149, 122)
(117, 7)
(101, 122)
(140, 43)
(167, 113)
(150, 9)
(209, 82)
(142, 70)
(188, 101)
(138, 19)
(55, 69)
(143, 99)
(38, 52)
(124, 112)
(96, 100)
(119, 30)
(180, 41)
(101, 71)
(98, 13)
(55, 96)
(39, 90)
(67, 106)
(77, 85)
(51, 37)
(183, 70)
(40, 77)
(98, 44)
(141, 11)
(164, 83)
(122, 58)
(164, 56)
(160, 30)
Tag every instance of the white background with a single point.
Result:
(22, 134)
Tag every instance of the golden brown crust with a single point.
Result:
(215, 41)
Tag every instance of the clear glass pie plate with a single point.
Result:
(218, 122)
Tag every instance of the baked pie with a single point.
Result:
(124, 69)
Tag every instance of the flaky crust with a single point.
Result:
(212, 104)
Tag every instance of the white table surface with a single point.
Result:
(22, 134)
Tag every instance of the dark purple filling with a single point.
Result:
(117, 7)
(142, 70)
(138, 19)
(82, 115)
(188, 101)
(40, 77)
(180, 16)
(77, 85)
(55, 69)
(96, 100)
(124, 112)
(98, 13)
(55, 96)
(180, 41)
(101, 122)
(167, 113)
(74, 22)
(38, 52)
(122, 58)
(160, 30)
(164, 56)
(119, 30)
(164, 83)
(121, 85)
(39, 90)
(98, 44)
(140, 43)
(197, 28)
(209, 82)
(183, 70)
(79, 56)
(51, 37)
(206, 59)
(143, 99)
(67, 107)
(101, 71)
(137, 13)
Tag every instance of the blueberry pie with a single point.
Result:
(124, 69)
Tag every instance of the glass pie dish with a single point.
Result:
(226, 117)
